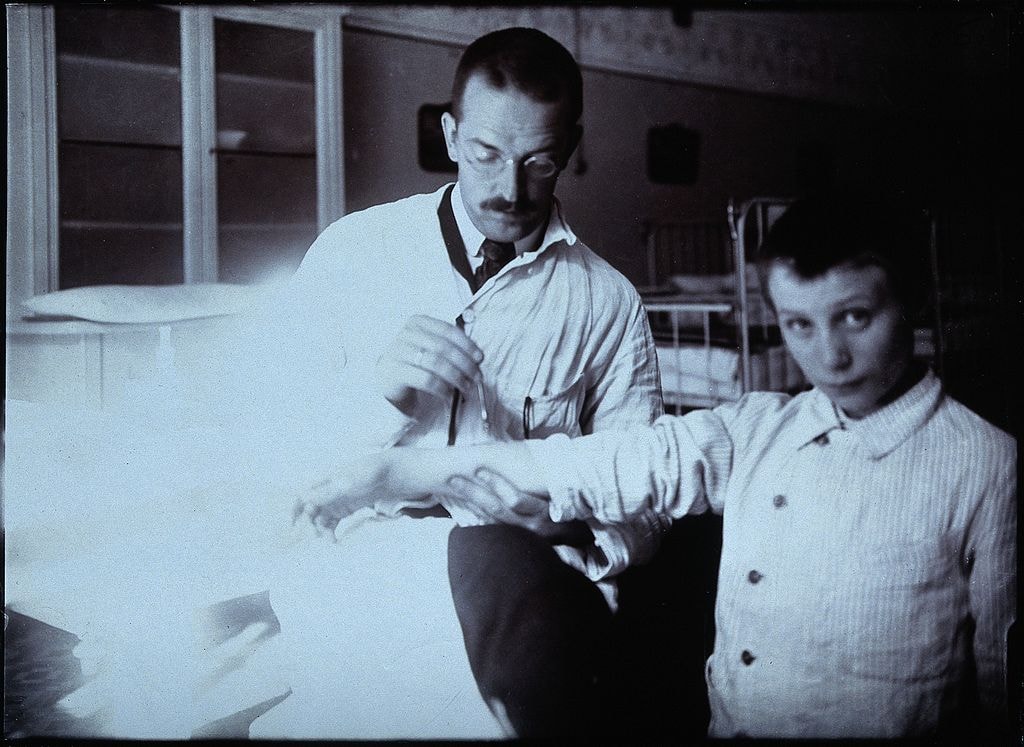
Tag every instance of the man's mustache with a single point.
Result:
(501, 205)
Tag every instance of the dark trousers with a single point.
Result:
(537, 632)
(541, 639)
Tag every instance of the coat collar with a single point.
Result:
(879, 433)
(555, 231)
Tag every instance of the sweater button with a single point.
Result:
(779, 501)
(753, 577)
(747, 658)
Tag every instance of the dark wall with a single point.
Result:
(386, 80)
(749, 145)
(953, 145)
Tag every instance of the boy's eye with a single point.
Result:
(857, 318)
(798, 326)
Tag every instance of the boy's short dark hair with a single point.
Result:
(828, 230)
(528, 59)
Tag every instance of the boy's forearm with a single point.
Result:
(415, 471)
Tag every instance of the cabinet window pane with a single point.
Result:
(267, 212)
(264, 51)
(266, 144)
(133, 34)
(103, 101)
(119, 153)
(115, 254)
(120, 215)
(120, 183)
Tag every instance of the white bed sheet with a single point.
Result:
(374, 646)
(708, 371)
(119, 531)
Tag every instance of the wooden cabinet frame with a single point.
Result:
(32, 195)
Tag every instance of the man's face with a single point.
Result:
(846, 330)
(506, 201)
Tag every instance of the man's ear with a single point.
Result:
(448, 125)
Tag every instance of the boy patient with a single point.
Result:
(868, 570)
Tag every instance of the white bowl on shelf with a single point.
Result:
(230, 139)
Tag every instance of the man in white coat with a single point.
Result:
(469, 315)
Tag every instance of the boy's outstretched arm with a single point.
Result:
(408, 472)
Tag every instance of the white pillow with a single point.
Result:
(142, 304)
(715, 284)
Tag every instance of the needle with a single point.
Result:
(461, 323)
(483, 406)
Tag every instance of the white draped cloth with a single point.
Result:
(120, 527)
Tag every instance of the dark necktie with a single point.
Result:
(496, 256)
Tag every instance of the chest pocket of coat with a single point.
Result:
(525, 415)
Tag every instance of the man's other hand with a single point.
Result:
(425, 362)
(493, 499)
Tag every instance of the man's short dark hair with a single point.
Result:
(528, 59)
(837, 228)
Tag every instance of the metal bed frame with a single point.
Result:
(745, 227)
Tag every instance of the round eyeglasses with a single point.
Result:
(491, 163)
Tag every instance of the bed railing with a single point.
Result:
(716, 252)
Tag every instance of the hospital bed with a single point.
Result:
(715, 336)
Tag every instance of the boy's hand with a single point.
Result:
(358, 483)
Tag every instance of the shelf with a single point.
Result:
(118, 186)
(122, 65)
(123, 159)
(118, 144)
(111, 225)
(284, 122)
(262, 153)
(257, 80)
(245, 51)
(268, 226)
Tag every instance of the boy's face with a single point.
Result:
(846, 330)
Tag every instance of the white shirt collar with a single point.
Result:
(555, 231)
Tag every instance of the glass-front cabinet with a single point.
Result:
(119, 164)
(266, 148)
(164, 145)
